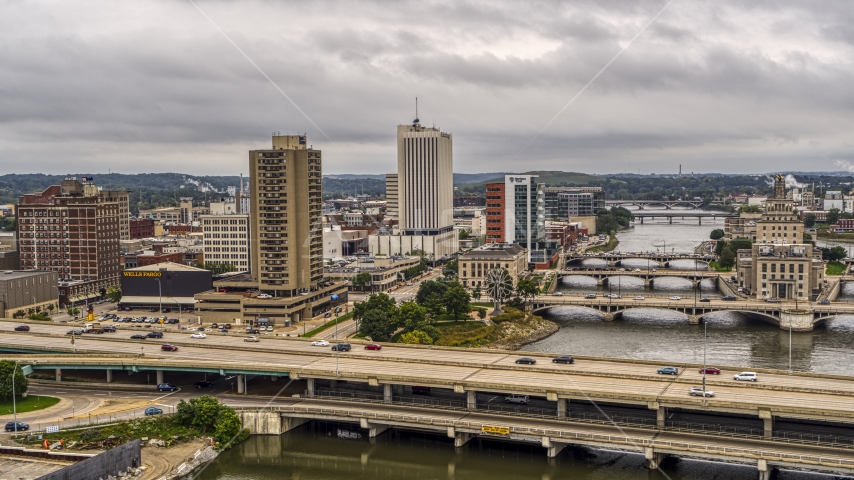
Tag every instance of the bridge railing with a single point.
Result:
(590, 418)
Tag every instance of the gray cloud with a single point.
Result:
(154, 87)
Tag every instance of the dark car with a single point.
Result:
(227, 326)
(166, 387)
(668, 371)
(711, 371)
(729, 298)
(138, 336)
(75, 332)
(214, 325)
(341, 347)
(202, 384)
(22, 328)
(705, 299)
(12, 426)
(327, 315)
(421, 390)
(152, 309)
(253, 331)
(222, 330)
(526, 360)
(563, 359)
(109, 328)
(169, 348)
(823, 302)
(153, 411)
(155, 335)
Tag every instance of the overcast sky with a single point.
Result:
(155, 86)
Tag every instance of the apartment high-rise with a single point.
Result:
(392, 209)
(515, 211)
(286, 203)
(226, 236)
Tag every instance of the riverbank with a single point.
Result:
(836, 237)
(509, 331)
(610, 246)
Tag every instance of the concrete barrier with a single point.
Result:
(110, 463)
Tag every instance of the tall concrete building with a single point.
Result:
(285, 220)
(425, 194)
(392, 209)
(226, 236)
(515, 211)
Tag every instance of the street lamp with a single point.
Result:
(160, 293)
(704, 361)
(14, 405)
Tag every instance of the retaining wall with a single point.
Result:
(111, 462)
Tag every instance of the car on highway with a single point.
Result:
(166, 387)
(109, 329)
(203, 384)
(676, 297)
(698, 392)
(824, 302)
(198, 335)
(526, 360)
(563, 359)
(639, 297)
(19, 426)
(341, 347)
(320, 343)
(155, 335)
(222, 330)
(251, 339)
(153, 411)
(558, 294)
(373, 346)
(746, 377)
(705, 299)
(729, 298)
(612, 295)
(772, 300)
(711, 371)
(418, 390)
(138, 336)
(517, 398)
(590, 295)
(22, 328)
(74, 332)
(168, 348)
(668, 371)
(227, 326)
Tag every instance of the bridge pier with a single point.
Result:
(660, 414)
(241, 384)
(58, 374)
(766, 472)
(309, 386)
(800, 321)
(562, 407)
(109, 376)
(290, 423)
(373, 428)
(653, 458)
(767, 423)
(159, 376)
(553, 448)
(471, 399)
(694, 319)
(460, 438)
(387, 397)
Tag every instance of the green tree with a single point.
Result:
(376, 301)
(476, 293)
(719, 247)
(737, 244)
(527, 289)
(114, 293)
(19, 314)
(809, 220)
(227, 427)
(428, 288)
(217, 268)
(362, 280)
(377, 324)
(464, 234)
(200, 412)
(435, 304)
(50, 307)
(750, 209)
(832, 216)
(833, 254)
(73, 311)
(7, 367)
(451, 269)
(727, 259)
(716, 234)
(411, 317)
(416, 337)
(481, 313)
(456, 300)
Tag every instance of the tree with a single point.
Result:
(428, 288)
(217, 268)
(727, 259)
(809, 220)
(737, 244)
(476, 293)
(716, 234)
(719, 247)
(376, 324)
(456, 300)
(832, 216)
(434, 304)
(73, 311)
(7, 368)
(833, 254)
(411, 317)
(464, 234)
(416, 337)
(481, 313)
(19, 314)
(451, 269)
(362, 280)
(114, 293)
(377, 301)
(50, 307)
(750, 209)
(200, 412)
(527, 289)
(227, 427)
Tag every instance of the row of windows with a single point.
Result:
(783, 267)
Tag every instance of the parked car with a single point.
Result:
(153, 411)
(19, 426)
(698, 392)
(222, 330)
(202, 384)
(668, 371)
(746, 376)
(250, 339)
(320, 343)
(214, 325)
(373, 346)
(227, 326)
(253, 331)
(327, 315)
(416, 390)
(517, 398)
(729, 298)
(264, 296)
(166, 387)
(710, 371)
(155, 335)
(590, 295)
(676, 297)
(138, 336)
(563, 359)
(341, 347)
(526, 360)
(824, 302)
(22, 328)
(198, 335)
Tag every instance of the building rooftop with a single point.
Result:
(496, 250)
(172, 266)
(16, 274)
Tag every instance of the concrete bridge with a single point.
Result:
(802, 319)
(660, 259)
(467, 378)
(667, 204)
(603, 276)
(683, 215)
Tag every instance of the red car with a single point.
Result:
(169, 348)
(711, 371)
(22, 328)
(373, 346)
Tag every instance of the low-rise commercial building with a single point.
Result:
(171, 285)
(475, 265)
(26, 291)
(386, 272)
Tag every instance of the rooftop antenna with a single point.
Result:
(415, 122)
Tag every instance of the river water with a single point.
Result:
(326, 451)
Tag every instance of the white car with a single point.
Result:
(746, 376)
(698, 392)
(639, 297)
(250, 339)
(320, 343)
(264, 296)
(198, 335)
(675, 297)
(191, 329)
(558, 294)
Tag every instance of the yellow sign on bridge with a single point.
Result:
(495, 430)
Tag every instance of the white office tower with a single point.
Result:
(425, 195)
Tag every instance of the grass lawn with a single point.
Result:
(835, 268)
(465, 334)
(719, 268)
(29, 404)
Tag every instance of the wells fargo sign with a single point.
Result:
(142, 274)
(495, 430)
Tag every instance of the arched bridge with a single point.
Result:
(785, 316)
(647, 276)
(667, 204)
